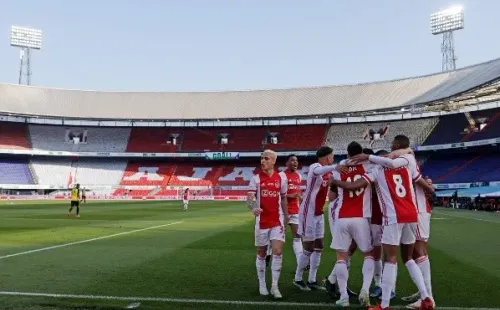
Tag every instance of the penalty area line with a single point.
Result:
(201, 301)
(87, 240)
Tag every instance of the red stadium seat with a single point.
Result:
(14, 136)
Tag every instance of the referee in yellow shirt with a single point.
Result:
(75, 200)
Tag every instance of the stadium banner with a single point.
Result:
(452, 186)
(207, 155)
(456, 145)
(221, 155)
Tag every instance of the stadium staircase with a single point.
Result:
(216, 175)
(467, 136)
(73, 174)
(33, 173)
(28, 137)
(167, 181)
(426, 132)
(456, 169)
(155, 191)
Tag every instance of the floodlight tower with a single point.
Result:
(26, 39)
(445, 22)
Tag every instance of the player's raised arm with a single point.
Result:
(351, 186)
(388, 162)
(425, 185)
(382, 161)
(400, 152)
(320, 170)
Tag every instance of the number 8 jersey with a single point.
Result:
(395, 193)
(358, 203)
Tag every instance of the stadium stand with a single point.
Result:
(451, 128)
(152, 140)
(15, 171)
(339, 136)
(14, 136)
(147, 173)
(236, 176)
(52, 171)
(153, 177)
(491, 128)
(292, 137)
(298, 137)
(462, 168)
(188, 175)
(99, 171)
(207, 139)
(448, 129)
(96, 139)
(88, 172)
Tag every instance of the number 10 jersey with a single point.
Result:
(358, 203)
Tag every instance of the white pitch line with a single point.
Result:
(87, 240)
(465, 217)
(203, 301)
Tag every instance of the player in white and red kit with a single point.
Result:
(311, 218)
(376, 229)
(397, 198)
(294, 194)
(267, 200)
(402, 156)
(352, 223)
(185, 199)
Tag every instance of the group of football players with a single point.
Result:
(378, 203)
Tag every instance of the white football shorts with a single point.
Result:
(332, 206)
(424, 226)
(376, 234)
(348, 229)
(311, 227)
(294, 219)
(399, 233)
(264, 236)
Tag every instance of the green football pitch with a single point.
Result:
(152, 255)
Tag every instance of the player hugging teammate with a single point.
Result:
(396, 179)
(391, 184)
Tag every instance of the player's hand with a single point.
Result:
(256, 211)
(342, 169)
(359, 158)
(398, 153)
(429, 182)
(286, 219)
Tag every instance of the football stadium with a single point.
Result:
(162, 218)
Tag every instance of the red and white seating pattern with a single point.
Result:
(159, 176)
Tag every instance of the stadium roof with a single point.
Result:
(275, 103)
